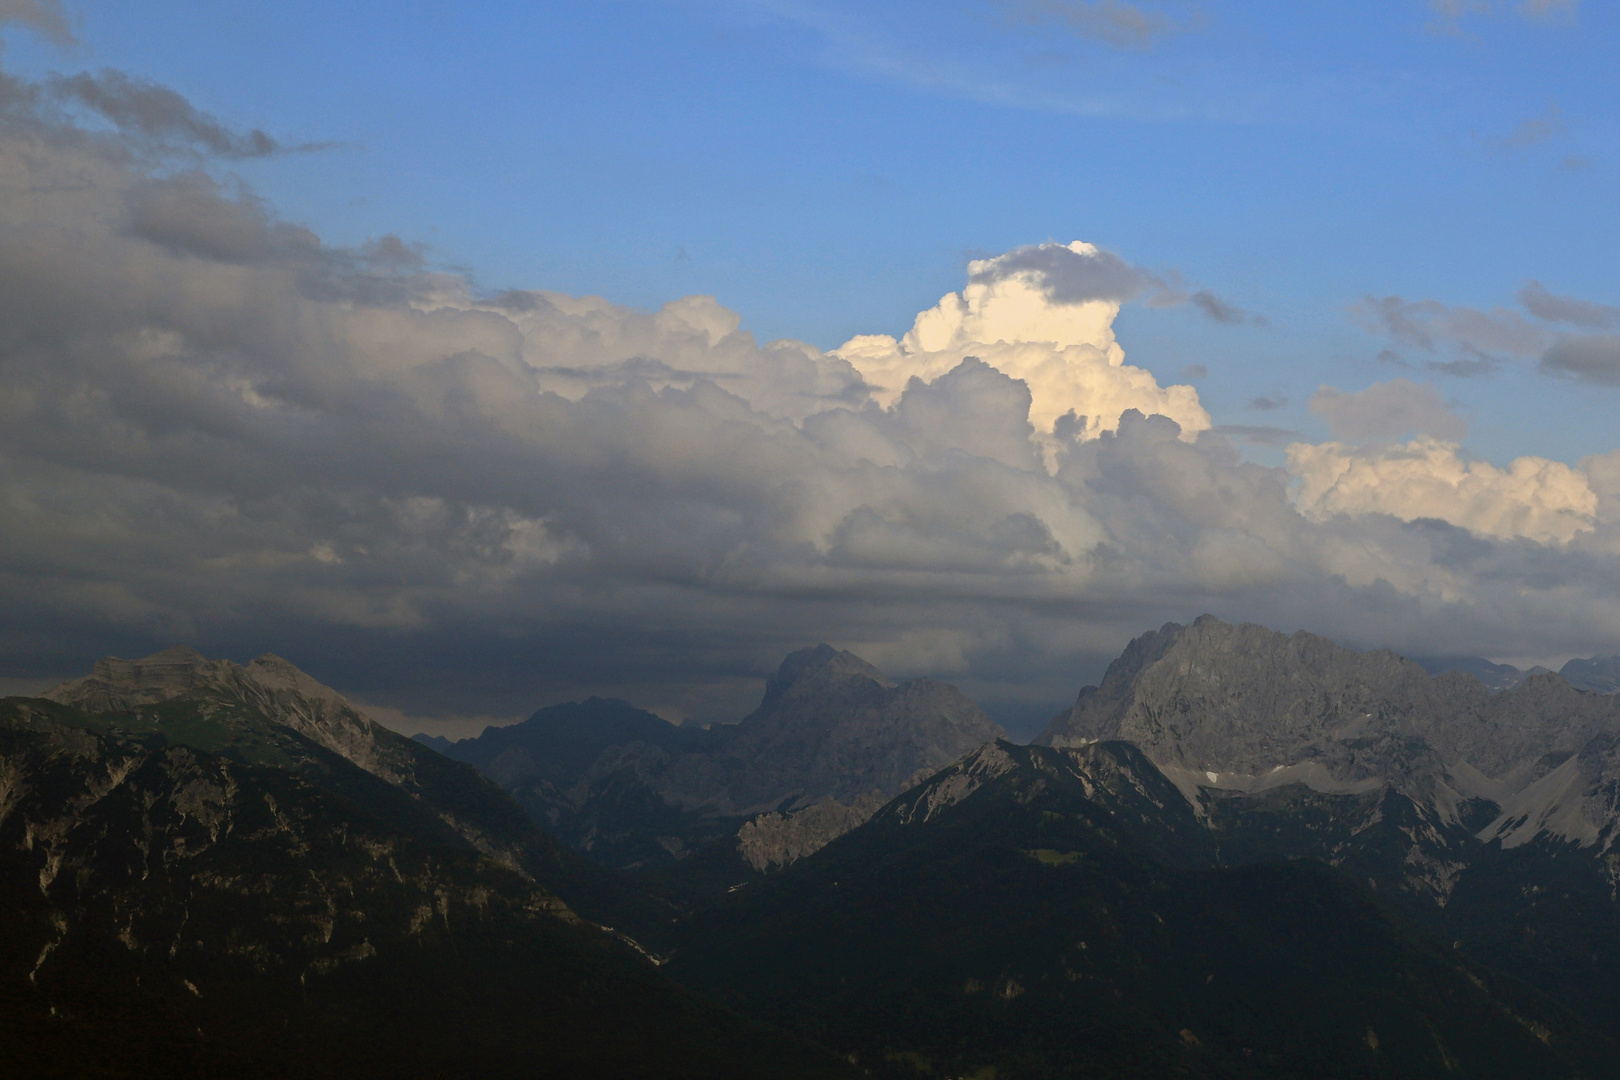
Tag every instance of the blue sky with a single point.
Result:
(826, 169)
(1364, 256)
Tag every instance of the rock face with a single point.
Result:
(1243, 708)
(832, 740)
(777, 839)
(832, 725)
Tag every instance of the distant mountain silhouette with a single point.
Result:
(831, 741)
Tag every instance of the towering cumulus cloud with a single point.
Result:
(1043, 314)
(216, 428)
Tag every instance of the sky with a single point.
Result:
(479, 357)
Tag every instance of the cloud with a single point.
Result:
(1045, 315)
(160, 118)
(1387, 411)
(1429, 324)
(1480, 340)
(1267, 404)
(1535, 498)
(1533, 131)
(1566, 309)
(1593, 358)
(1222, 311)
(217, 428)
(1112, 22)
(1465, 367)
(1067, 274)
(45, 16)
(1257, 435)
(1549, 9)
(1450, 13)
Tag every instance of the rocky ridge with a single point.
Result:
(1242, 708)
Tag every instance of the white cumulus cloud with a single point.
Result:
(1044, 315)
(1533, 497)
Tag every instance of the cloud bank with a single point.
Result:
(216, 428)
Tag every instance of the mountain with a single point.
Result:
(1492, 675)
(832, 740)
(1245, 708)
(1041, 912)
(177, 912)
(268, 712)
(1491, 816)
(1599, 674)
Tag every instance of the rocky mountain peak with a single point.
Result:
(1220, 697)
(115, 684)
(1240, 708)
(273, 673)
(818, 667)
(832, 724)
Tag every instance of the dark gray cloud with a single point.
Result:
(1480, 339)
(45, 16)
(1567, 309)
(158, 117)
(1222, 311)
(216, 429)
(1267, 404)
(1071, 277)
(1466, 366)
(1593, 358)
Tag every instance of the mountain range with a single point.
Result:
(832, 740)
(1242, 854)
(1599, 674)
